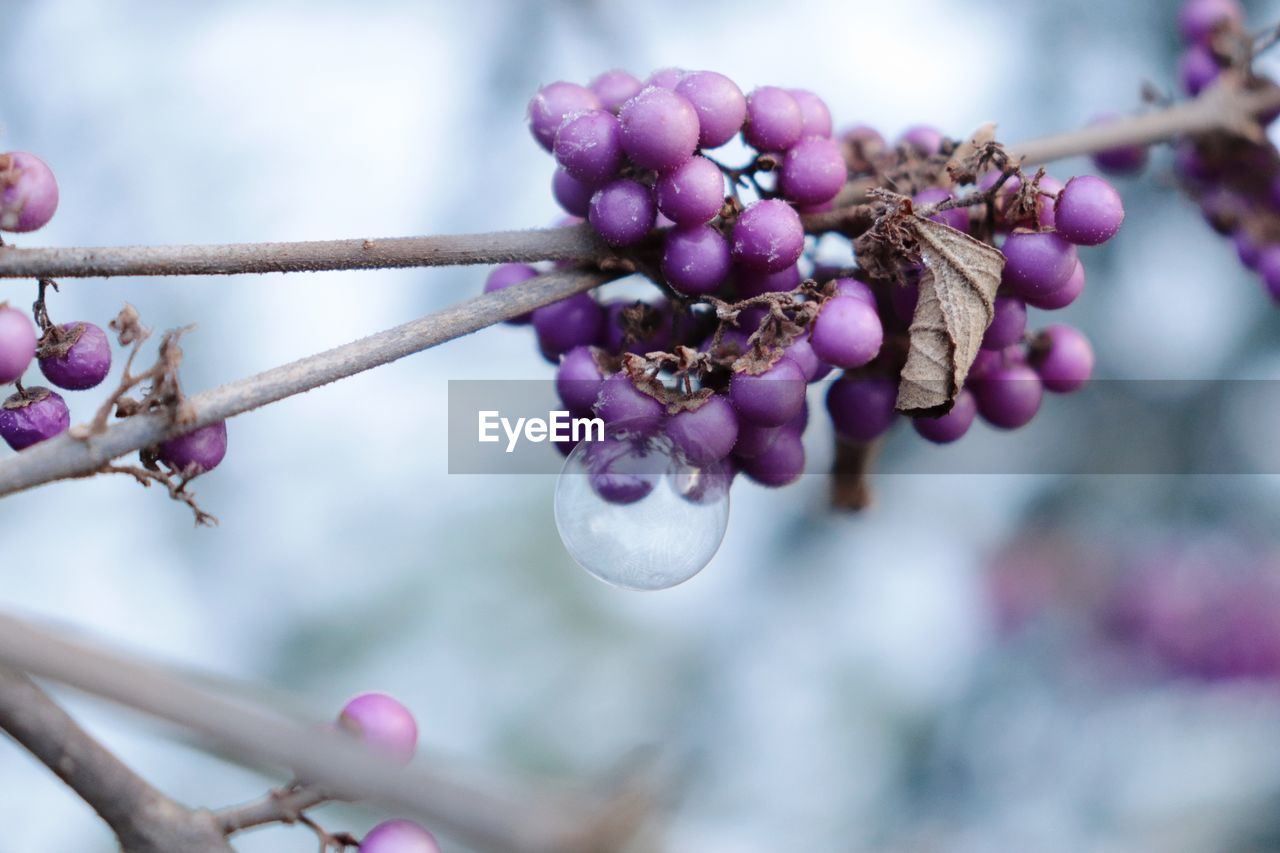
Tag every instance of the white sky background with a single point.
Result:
(349, 560)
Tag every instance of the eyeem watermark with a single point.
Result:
(557, 426)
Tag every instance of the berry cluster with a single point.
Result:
(72, 356)
(1235, 180)
(719, 362)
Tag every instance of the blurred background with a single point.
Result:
(975, 663)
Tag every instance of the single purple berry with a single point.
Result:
(619, 470)
(696, 260)
(847, 332)
(862, 407)
(1198, 20)
(1007, 324)
(615, 88)
(28, 192)
(721, 106)
(1009, 395)
(621, 402)
(753, 283)
(768, 236)
(82, 359)
(953, 425)
(706, 434)
(1063, 296)
(573, 196)
(1089, 211)
(774, 120)
(856, 289)
(923, 139)
(800, 350)
(691, 194)
(37, 416)
(665, 78)
(956, 217)
(561, 326)
(578, 379)
(1063, 358)
(862, 144)
(813, 171)
(754, 439)
(770, 398)
(779, 464)
(382, 723)
(589, 146)
(17, 343)
(505, 275)
(1037, 263)
(399, 836)
(650, 327)
(622, 212)
(199, 450)
(1197, 69)
(1125, 160)
(814, 112)
(553, 103)
(659, 129)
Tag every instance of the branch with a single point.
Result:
(66, 456)
(144, 820)
(279, 806)
(535, 819)
(575, 243)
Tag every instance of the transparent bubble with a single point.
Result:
(632, 511)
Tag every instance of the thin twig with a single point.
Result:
(283, 805)
(536, 819)
(68, 456)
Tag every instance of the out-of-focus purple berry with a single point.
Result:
(774, 120)
(1008, 396)
(17, 343)
(554, 102)
(1063, 358)
(505, 275)
(925, 140)
(561, 326)
(573, 196)
(862, 407)
(1198, 20)
(399, 836)
(614, 88)
(953, 425)
(37, 416)
(578, 379)
(1124, 160)
(1197, 69)
(1007, 324)
(620, 402)
(383, 723)
(779, 464)
(706, 434)
(665, 78)
(815, 115)
(28, 192)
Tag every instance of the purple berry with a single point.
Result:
(199, 450)
(1063, 296)
(614, 88)
(1198, 20)
(561, 326)
(85, 361)
(1247, 248)
(1049, 186)
(754, 439)
(28, 192)
(814, 113)
(399, 836)
(774, 120)
(1125, 160)
(665, 78)
(779, 464)
(17, 343)
(951, 426)
(654, 328)
(721, 106)
(1008, 396)
(813, 171)
(1197, 69)
(768, 236)
(659, 129)
(847, 332)
(620, 472)
(622, 212)
(695, 260)
(770, 398)
(505, 275)
(923, 139)
(621, 402)
(578, 379)
(39, 415)
(862, 144)
(573, 196)
(1007, 324)
(553, 103)
(856, 289)
(751, 284)
(956, 217)
(801, 352)
(862, 407)
(1037, 263)
(589, 146)
(1088, 211)
(382, 723)
(691, 194)
(706, 434)
(1063, 358)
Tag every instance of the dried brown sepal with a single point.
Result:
(686, 363)
(889, 247)
(26, 397)
(957, 292)
(57, 342)
(979, 154)
(1024, 204)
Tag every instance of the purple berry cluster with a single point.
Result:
(720, 361)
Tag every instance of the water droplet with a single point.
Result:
(632, 511)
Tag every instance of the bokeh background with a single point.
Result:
(976, 663)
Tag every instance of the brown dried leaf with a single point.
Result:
(957, 290)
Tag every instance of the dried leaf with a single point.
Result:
(972, 158)
(957, 291)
